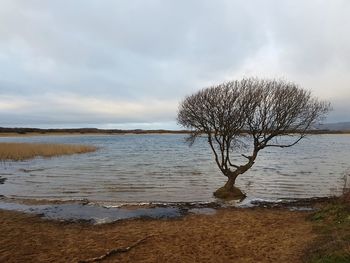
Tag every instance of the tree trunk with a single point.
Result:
(229, 191)
(230, 183)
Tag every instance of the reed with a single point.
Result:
(23, 151)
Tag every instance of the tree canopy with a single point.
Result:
(262, 109)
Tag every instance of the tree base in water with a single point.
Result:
(233, 194)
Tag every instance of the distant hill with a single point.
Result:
(337, 126)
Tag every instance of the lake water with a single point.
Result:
(162, 168)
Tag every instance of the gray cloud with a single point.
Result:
(116, 62)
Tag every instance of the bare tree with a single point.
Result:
(262, 110)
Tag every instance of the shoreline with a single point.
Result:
(97, 213)
(266, 233)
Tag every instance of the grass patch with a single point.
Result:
(23, 151)
(332, 225)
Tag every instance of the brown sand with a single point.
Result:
(231, 235)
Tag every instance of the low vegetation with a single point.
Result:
(332, 225)
(23, 151)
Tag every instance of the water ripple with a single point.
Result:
(159, 168)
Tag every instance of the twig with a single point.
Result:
(115, 251)
(245, 156)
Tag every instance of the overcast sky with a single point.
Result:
(127, 64)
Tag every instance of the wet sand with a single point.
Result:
(230, 235)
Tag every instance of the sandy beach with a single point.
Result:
(230, 235)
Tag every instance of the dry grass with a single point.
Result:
(23, 151)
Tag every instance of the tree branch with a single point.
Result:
(115, 251)
(285, 145)
(245, 156)
(214, 151)
(233, 165)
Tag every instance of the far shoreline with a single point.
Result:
(24, 132)
(14, 132)
(32, 134)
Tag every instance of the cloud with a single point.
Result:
(119, 62)
(9, 104)
(70, 108)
